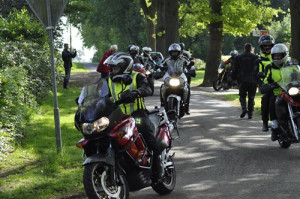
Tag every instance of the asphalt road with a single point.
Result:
(220, 155)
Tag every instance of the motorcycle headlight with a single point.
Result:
(174, 82)
(293, 91)
(97, 126)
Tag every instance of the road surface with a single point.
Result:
(220, 155)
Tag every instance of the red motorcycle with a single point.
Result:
(116, 157)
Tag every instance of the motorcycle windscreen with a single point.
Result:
(175, 70)
(94, 101)
(290, 75)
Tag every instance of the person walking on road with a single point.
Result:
(245, 72)
(67, 58)
(103, 68)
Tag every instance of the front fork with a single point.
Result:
(295, 129)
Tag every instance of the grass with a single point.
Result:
(78, 67)
(199, 78)
(35, 170)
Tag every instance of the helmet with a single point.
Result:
(129, 46)
(139, 68)
(181, 46)
(266, 42)
(121, 59)
(134, 50)
(234, 53)
(174, 48)
(280, 54)
(146, 51)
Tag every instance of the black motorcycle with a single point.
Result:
(224, 79)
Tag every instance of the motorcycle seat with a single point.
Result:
(155, 119)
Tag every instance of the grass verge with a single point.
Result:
(35, 170)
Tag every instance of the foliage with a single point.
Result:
(20, 26)
(281, 30)
(35, 170)
(104, 23)
(238, 17)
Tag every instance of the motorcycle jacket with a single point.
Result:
(139, 84)
(244, 68)
(180, 64)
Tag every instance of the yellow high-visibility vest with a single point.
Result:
(117, 87)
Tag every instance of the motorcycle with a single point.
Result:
(224, 79)
(116, 157)
(287, 106)
(174, 92)
(148, 72)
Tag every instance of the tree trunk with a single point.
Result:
(150, 27)
(295, 29)
(160, 28)
(215, 45)
(171, 22)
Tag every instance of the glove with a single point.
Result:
(129, 96)
(261, 75)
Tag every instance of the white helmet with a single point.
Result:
(146, 51)
(283, 51)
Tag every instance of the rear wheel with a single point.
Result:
(217, 84)
(97, 183)
(168, 183)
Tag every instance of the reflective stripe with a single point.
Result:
(116, 88)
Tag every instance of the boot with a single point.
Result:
(187, 109)
(265, 127)
(250, 113)
(157, 167)
(250, 107)
(244, 107)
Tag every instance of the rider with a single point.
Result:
(191, 71)
(176, 59)
(134, 92)
(228, 64)
(266, 42)
(272, 73)
(146, 56)
(134, 53)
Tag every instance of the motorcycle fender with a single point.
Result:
(99, 158)
(174, 96)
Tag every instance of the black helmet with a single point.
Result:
(120, 59)
(174, 48)
(266, 42)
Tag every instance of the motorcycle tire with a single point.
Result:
(97, 183)
(172, 106)
(168, 183)
(284, 144)
(217, 84)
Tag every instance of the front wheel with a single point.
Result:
(217, 84)
(172, 108)
(98, 184)
(168, 183)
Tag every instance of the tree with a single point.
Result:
(150, 10)
(238, 18)
(171, 22)
(160, 28)
(295, 29)
(215, 41)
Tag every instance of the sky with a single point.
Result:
(77, 43)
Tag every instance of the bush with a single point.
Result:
(199, 64)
